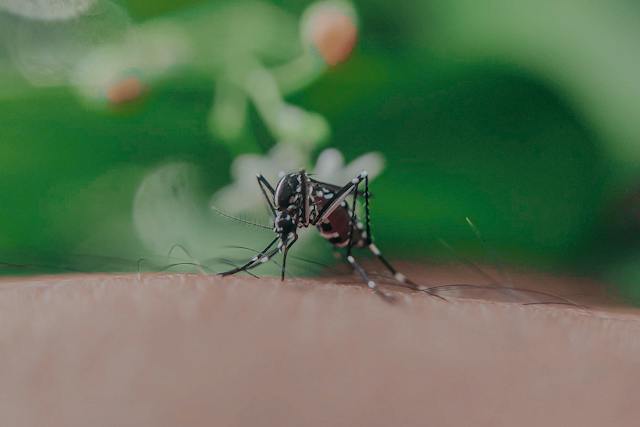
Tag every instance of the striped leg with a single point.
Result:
(285, 250)
(373, 248)
(399, 277)
(354, 218)
(267, 190)
(370, 283)
(260, 258)
(339, 197)
(350, 259)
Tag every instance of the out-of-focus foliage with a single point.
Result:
(519, 114)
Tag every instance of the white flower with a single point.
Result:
(330, 166)
(244, 195)
(145, 53)
(47, 10)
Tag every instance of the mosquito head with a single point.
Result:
(289, 202)
(289, 192)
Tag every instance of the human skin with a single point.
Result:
(194, 350)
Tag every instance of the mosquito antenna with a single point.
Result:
(489, 250)
(243, 221)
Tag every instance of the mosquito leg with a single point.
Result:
(284, 263)
(307, 260)
(305, 187)
(365, 277)
(231, 263)
(374, 249)
(352, 223)
(252, 262)
(494, 257)
(285, 250)
(470, 264)
(399, 277)
(266, 189)
(255, 262)
(396, 274)
(339, 197)
(367, 214)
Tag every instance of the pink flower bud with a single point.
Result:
(126, 90)
(331, 28)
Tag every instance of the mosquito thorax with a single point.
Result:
(284, 223)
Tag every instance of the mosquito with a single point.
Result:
(299, 201)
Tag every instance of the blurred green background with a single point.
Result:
(522, 115)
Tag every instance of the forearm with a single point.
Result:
(200, 350)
